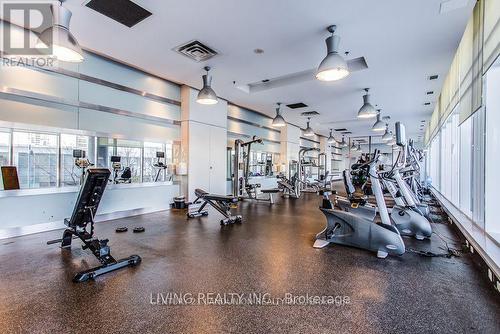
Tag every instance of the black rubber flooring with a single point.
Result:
(269, 255)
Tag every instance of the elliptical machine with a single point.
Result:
(346, 228)
(409, 220)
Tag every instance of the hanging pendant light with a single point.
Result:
(379, 125)
(354, 147)
(391, 141)
(343, 143)
(278, 120)
(308, 132)
(367, 110)
(331, 139)
(333, 67)
(359, 148)
(64, 45)
(207, 94)
(387, 136)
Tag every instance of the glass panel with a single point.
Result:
(466, 167)
(4, 148)
(492, 156)
(35, 155)
(70, 174)
(152, 173)
(105, 149)
(131, 157)
(478, 168)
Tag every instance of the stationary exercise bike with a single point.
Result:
(126, 173)
(407, 217)
(82, 162)
(161, 166)
(346, 228)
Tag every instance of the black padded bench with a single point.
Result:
(270, 192)
(218, 202)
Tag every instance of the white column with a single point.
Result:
(204, 141)
(290, 145)
(326, 148)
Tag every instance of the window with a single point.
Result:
(4, 148)
(149, 170)
(70, 174)
(36, 158)
(45, 159)
(466, 167)
(434, 161)
(130, 153)
(492, 154)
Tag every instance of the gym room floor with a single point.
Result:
(271, 252)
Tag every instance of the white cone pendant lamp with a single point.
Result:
(333, 67)
(58, 38)
(367, 110)
(379, 125)
(387, 136)
(308, 132)
(278, 120)
(207, 95)
(331, 139)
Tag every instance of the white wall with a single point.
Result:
(58, 107)
(204, 140)
(52, 206)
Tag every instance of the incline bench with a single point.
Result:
(219, 203)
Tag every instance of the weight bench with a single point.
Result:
(88, 200)
(219, 203)
(270, 192)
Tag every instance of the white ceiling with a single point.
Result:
(403, 41)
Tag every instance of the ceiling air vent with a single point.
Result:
(341, 129)
(196, 51)
(296, 105)
(433, 77)
(346, 132)
(125, 12)
(309, 113)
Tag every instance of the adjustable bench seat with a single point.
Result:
(220, 203)
(206, 195)
(270, 191)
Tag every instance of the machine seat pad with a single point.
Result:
(270, 191)
(205, 195)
